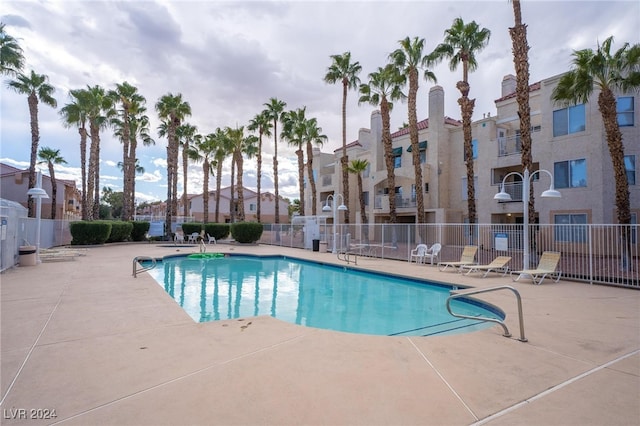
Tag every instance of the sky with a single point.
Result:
(228, 58)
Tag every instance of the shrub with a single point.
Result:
(219, 231)
(246, 232)
(85, 232)
(120, 231)
(139, 230)
(189, 228)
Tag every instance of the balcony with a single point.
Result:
(511, 145)
(515, 190)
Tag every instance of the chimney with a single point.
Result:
(508, 84)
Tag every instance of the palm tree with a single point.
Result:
(99, 107)
(313, 135)
(37, 89)
(385, 85)
(261, 124)
(240, 144)
(293, 128)
(126, 101)
(51, 156)
(222, 150)
(520, 48)
(11, 55)
(344, 71)
(357, 167)
(461, 43)
(172, 110)
(76, 113)
(202, 151)
(607, 73)
(274, 111)
(409, 59)
(185, 133)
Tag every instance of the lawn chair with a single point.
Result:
(467, 258)
(178, 238)
(211, 239)
(418, 253)
(499, 264)
(433, 252)
(193, 238)
(547, 265)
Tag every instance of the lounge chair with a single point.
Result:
(193, 238)
(211, 239)
(467, 258)
(418, 253)
(433, 252)
(499, 264)
(178, 238)
(547, 265)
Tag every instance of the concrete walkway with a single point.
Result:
(86, 339)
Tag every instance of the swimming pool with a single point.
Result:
(314, 295)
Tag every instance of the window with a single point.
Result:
(474, 148)
(397, 161)
(423, 156)
(570, 174)
(624, 109)
(365, 196)
(397, 191)
(252, 207)
(464, 186)
(569, 120)
(367, 171)
(630, 168)
(426, 187)
(570, 228)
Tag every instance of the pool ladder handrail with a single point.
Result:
(136, 263)
(455, 294)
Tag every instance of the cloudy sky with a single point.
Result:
(228, 58)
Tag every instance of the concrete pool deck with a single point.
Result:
(86, 339)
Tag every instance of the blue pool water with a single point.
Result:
(314, 295)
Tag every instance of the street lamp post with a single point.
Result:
(526, 181)
(38, 193)
(335, 209)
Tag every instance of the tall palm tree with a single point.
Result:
(241, 144)
(51, 157)
(274, 111)
(313, 135)
(261, 124)
(186, 133)
(344, 71)
(126, 100)
(99, 108)
(293, 128)
(11, 55)
(607, 72)
(461, 43)
(37, 89)
(520, 49)
(222, 150)
(172, 110)
(409, 59)
(385, 85)
(202, 151)
(357, 167)
(75, 113)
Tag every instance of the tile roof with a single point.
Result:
(532, 87)
(424, 124)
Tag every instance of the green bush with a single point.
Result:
(189, 228)
(90, 232)
(120, 231)
(139, 230)
(219, 231)
(246, 232)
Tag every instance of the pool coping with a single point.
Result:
(99, 346)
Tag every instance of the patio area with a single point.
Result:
(84, 339)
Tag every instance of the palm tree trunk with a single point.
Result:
(132, 177)
(218, 185)
(83, 171)
(232, 210)
(300, 155)
(185, 165)
(415, 148)
(35, 140)
(388, 158)
(259, 160)
(466, 108)
(275, 172)
(521, 62)
(96, 194)
(345, 159)
(91, 180)
(240, 188)
(312, 180)
(54, 191)
(205, 190)
(126, 165)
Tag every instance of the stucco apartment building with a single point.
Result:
(14, 184)
(570, 143)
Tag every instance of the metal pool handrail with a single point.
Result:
(136, 263)
(455, 294)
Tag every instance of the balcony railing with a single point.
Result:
(511, 145)
(515, 190)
